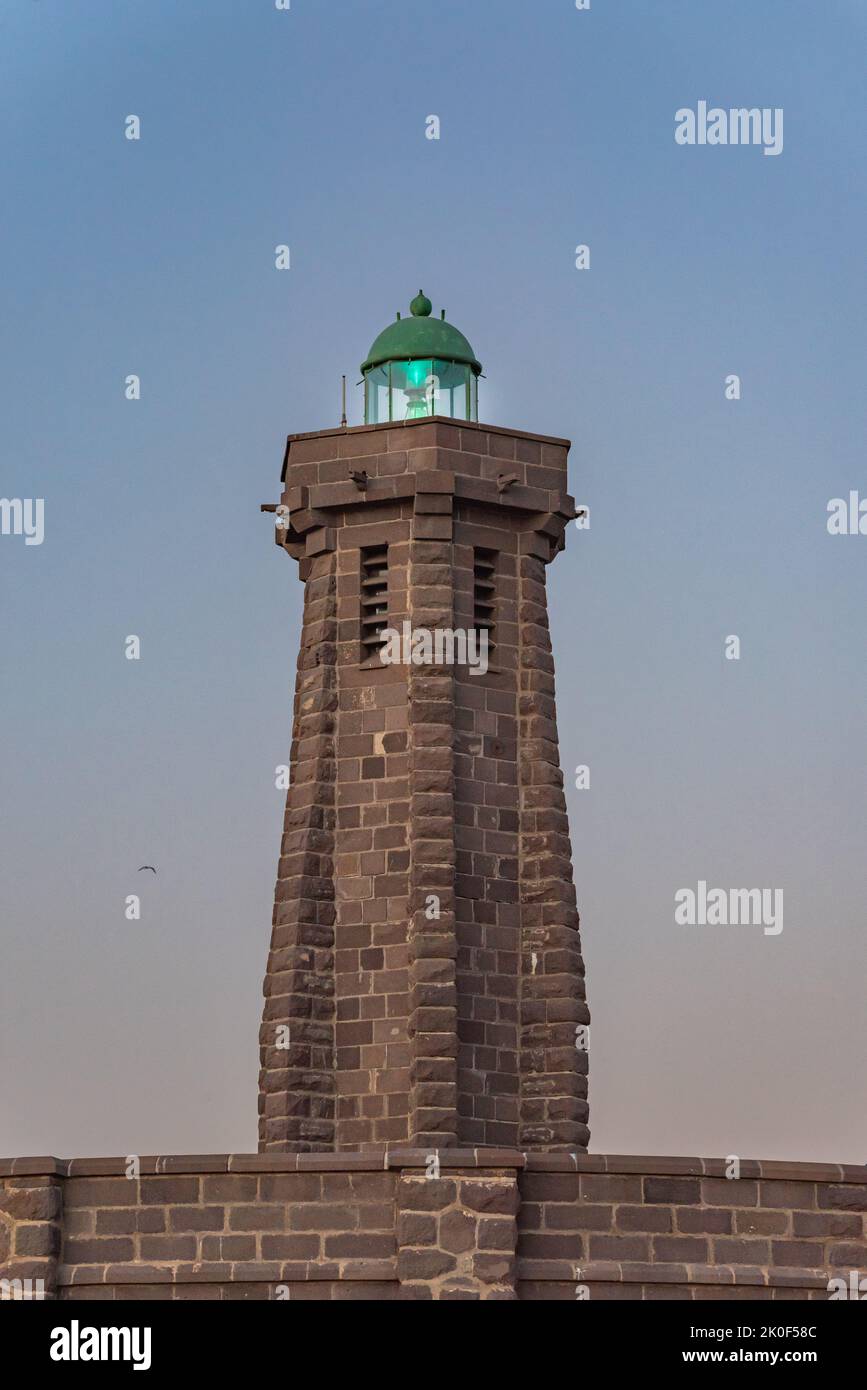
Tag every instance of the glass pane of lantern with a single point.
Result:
(449, 393)
(376, 389)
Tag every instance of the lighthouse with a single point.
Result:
(424, 984)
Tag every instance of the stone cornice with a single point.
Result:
(449, 1158)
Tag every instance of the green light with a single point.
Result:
(417, 373)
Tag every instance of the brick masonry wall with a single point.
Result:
(31, 1207)
(417, 780)
(458, 1224)
(296, 1081)
(487, 824)
(679, 1228)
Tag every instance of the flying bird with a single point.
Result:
(147, 866)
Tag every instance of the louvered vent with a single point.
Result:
(484, 594)
(374, 599)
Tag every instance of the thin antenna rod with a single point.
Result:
(343, 416)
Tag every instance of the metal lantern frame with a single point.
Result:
(386, 385)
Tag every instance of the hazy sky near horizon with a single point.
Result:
(708, 518)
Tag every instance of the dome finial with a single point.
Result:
(421, 306)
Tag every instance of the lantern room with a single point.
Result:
(420, 366)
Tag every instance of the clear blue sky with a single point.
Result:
(156, 257)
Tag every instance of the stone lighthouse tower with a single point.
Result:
(424, 985)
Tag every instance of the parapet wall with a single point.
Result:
(492, 1224)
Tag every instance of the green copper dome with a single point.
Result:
(421, 337)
